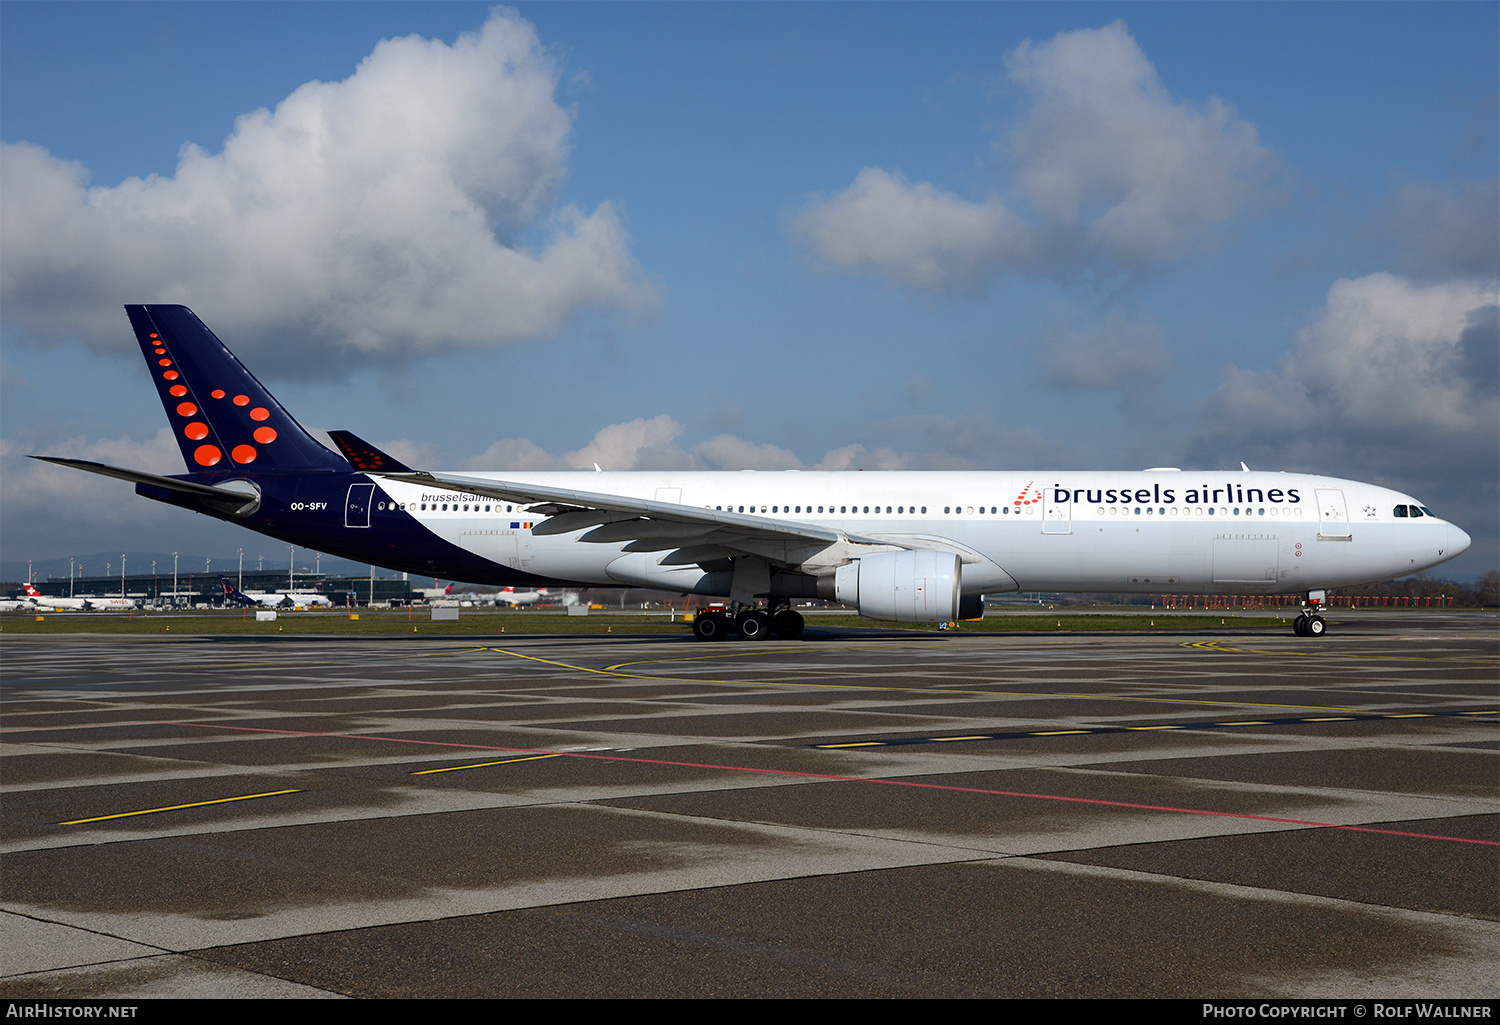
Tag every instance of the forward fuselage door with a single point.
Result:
(357, 506)
(1333, 515)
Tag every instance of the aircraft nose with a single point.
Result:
(1458, 540)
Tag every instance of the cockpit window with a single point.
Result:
(1428, 511)
(1415, 512)
(1400, 512)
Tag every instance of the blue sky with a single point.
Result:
(731, 235)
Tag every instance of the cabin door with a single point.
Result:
(357, 506)
(1333, 516)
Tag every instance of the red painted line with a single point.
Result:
(843, 779)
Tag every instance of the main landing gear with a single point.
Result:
(752, 623)
(1308, 623)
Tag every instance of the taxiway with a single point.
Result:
(854, 814)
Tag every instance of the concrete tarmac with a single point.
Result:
(858, 813)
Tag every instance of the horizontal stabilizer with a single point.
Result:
(364, 456)
(232, 500)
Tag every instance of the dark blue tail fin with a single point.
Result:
(225, 421)
(234, 594)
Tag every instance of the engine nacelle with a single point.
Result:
(903, 587)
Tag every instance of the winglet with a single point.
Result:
(364, 456)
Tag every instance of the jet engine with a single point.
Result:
(904, 587)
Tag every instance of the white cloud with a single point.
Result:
(726, 452)
(917, 234)
(389, 213)
(967, 441)
(1386, 357)
(34, 490)
(640, 444)
(857, 457)
(511, 454)
(1114, 174)
(1104, 133)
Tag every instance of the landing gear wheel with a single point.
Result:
(753, 625)
(1316, 627)
(710, 627)
(788, 624)
(1299, 626)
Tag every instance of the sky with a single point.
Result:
(728, 236)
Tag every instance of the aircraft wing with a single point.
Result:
(649, 526)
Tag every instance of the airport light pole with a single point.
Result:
(291, 570)
(155, 591)
(241, 584)
(174, 579)
(122, 574)
(70, 576)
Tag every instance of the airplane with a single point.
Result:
(903, 546)
(511, 596)
(507, 596)
(42, 601)
(273, 599)
(93, 602)
(234, 596)
(516, 598)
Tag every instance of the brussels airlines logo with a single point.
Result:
(1030, 495)
(1158, 495)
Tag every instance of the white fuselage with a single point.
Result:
(35, 599)
(288, 599)
(1136, 531)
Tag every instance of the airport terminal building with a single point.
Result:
(203, 588)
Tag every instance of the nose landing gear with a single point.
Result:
(1309, 626)
(1308, 622)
